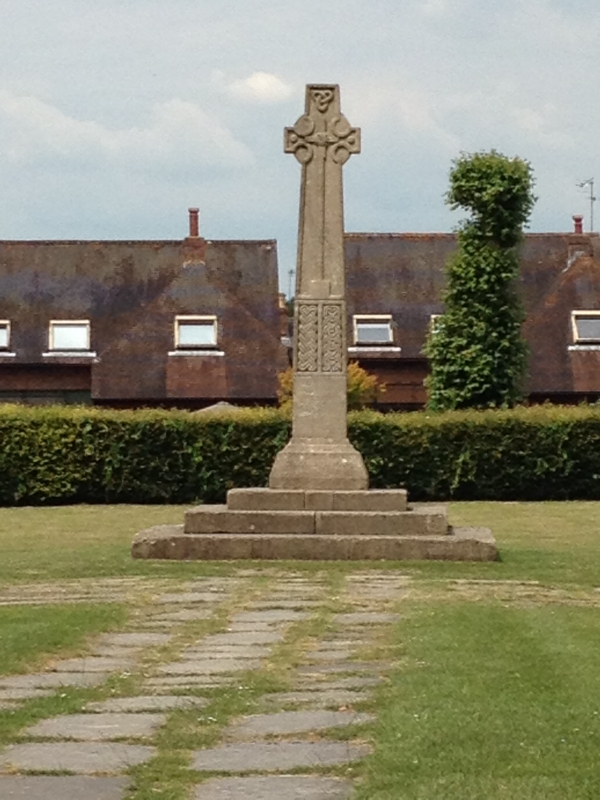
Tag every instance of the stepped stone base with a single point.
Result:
(315, 525)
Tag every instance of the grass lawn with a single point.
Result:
(496, 689)
(30, 633)
(550, 542)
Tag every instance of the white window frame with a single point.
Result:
(5, 323)
(196, 319)
(575, 315)
(433, 323)
(66, 323)
(357, 319)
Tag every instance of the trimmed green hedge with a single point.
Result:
(82, 455)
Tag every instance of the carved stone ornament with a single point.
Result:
(324, 127)
(308, 337)
(323, 97)
(332, 340)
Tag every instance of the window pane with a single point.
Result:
(588, 327)
(4, 336)
(378, 332)
(69, 337)
(435, 321)
(197, 334)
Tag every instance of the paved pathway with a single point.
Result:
(158, 668)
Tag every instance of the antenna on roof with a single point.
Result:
(582, 185)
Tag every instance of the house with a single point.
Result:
(182, 323)
(395, 283)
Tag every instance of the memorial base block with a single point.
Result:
(316, 525)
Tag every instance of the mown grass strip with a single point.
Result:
(491, 701)
(31, 634)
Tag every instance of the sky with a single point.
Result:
(117, 115)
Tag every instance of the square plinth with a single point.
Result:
(424, 521)
(170, 542)
(314, 500)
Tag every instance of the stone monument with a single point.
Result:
(319, 455)
(318, 505)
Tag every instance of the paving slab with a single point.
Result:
(53, 679)
(286, 603)
(188, 681)
(341, 643)
(345, 666)
(93, 664)
(38, 787)
(82, 758)
(283, 723)
(209, 666)
(271, 615)
(244, 627)
(325, 698)
(273, 787)
(323, 682)
(351, 636)
(366, 618)
(97, 727)
(9, 705)
(156, 626)
(245, 637)
(277, 756)
(191, 597)
(227, 651)
(24, 694)
(185, 615)
(152, 702)
(135, 639)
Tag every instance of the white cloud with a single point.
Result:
(261, 87)
(178, 132)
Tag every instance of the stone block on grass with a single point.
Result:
(152, 702)
(81, 758)
(41, 787)
(285, 787)
(277, 756)
(97, 727)
(284, 723)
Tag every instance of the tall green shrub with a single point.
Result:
(476, 351)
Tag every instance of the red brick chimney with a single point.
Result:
(194, 223)
(578, 220)
(194, 244)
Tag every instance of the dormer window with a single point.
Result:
(192, 333)
(373, 329)
(4, 334)
(586, 327)
(69, 335)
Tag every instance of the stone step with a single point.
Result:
(425, 521)
(170, 542)
(300, 500)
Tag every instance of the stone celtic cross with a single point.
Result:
(319, 454)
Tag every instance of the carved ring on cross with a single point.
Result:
(339, 138)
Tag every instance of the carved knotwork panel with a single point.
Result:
(332, 339)
(323, 97)
(320, 337)
(308, 337)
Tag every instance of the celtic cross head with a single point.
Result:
(322, 128)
